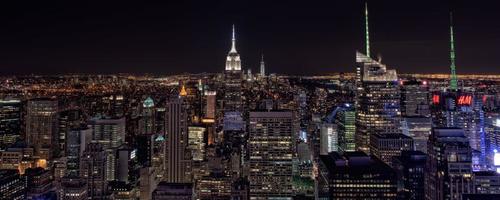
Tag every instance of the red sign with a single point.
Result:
(464, 100)
(435, 99)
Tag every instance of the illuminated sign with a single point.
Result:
(133, 154)
(496, 159)
(435, 99)
(207, 120)
(464, 100)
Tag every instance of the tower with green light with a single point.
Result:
(367, 33)
(453, 76)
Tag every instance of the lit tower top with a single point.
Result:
(233, 62)
(148, 103)
(183, 92)
(453, 77)
(262, 66)
(367, 32)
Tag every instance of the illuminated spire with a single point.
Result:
(262, 66)
(233, 42)
(453, 77)
(367, 32)
(183, 92)
(233, 62)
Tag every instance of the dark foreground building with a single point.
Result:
(12, 186)
(355, 175)
(173, 191)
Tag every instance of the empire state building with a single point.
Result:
(232, 79)
(233, 62)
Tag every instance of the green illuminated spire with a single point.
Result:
(367, 33)
(453, 77)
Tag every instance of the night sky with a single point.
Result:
(296, 37)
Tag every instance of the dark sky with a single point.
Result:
(296, 37)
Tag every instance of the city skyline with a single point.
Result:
(321, 36)
(250, 126)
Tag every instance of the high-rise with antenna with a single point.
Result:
(453, 76)
(233, 62)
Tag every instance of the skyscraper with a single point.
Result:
(410, 167)
(414, 98)
(110, 133)
(12, 185)
(39, 181)
(271, 151)
(41, 126)
(76, 142)
(419, 129)
(210, 104)
(94, 171)
(196, 142)
(378, 97)
(10, 121)
(147, 122)
(232, 79)
(177, 141)
(449, 165)
(329, 140)
(387, 146)
(233, 62)
(68, 119)
(346, 126)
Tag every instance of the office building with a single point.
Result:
(233, 79)
(415, 98)
(486, 182)
(38, 180)
(419, 129)
(196, 143)
(73, 188)
(68, 119)
(110, 133)
(12, 185)
(177, 161)
(378, 100)
(410, 168)
(214, 186)
(147, 121)
(355, 175)
(328, 138)
(449, 165)
(10, 121)
(41, 126)
(210, 104)
(346, 126)
(76, 142)
(173, 191)
(271, 148)
(93, 170)
(387, 146)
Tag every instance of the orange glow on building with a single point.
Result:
(41, 163)
(183, 91)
